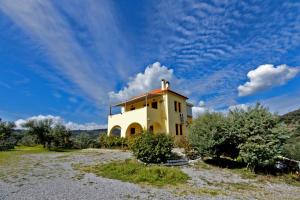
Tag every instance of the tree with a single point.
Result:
(206, 134)
(60, 136)
(42, 129)
(6, 129)
(6, 139)
(254, 135)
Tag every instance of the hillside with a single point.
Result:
(291, 117)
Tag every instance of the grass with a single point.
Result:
(12, 163)
(134, 172)
(7, 157)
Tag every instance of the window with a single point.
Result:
(154, 104)
(175, 106)
(132, 131)
(179, 107)
(176, 127)
(151, 128)
(180, 129)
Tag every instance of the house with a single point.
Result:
(159, 111)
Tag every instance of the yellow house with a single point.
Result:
(159, 111)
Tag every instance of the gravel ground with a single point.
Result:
(51, 176)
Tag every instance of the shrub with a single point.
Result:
(189, 151)
(28, 140)
(254, 136)
(112, 141)
(83, 141)
(153, 148)
(291, 148)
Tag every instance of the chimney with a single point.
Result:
(163, 84)
(167, 85)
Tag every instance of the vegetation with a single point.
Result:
(49, 134)
(84, 140)
(13, 156)
(253, 136)
(292, 147)
(113, 141)
(291, 117)
(132, 171)
(6, 139)
(153, 148)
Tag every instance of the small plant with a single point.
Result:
(153, 148)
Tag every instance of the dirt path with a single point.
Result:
(51, 176)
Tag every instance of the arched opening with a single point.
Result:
(134, 129)
(115, 131)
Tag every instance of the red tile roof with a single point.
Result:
(150, 93)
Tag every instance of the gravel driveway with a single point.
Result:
(51, 176)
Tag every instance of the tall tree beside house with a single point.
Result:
(254, 136)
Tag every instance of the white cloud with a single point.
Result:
(200, 109)
(266, 76)
(58, 119)
(143, 82)
(73, 66)
(239, 106)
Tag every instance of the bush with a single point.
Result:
(83, 141)
(153, 148)
(292, 147)
(254, 136)
(29, 140)
(112, 141)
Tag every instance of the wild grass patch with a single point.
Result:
(134, 172)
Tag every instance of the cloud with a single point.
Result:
(84, 55)
(265, 77)
(239, 107)
(200, 109)
(143, 82)
(204, 38)
(57, 119)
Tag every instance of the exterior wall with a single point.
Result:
(162, 119)
(174, 116)
(124, 120)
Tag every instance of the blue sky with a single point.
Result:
(70, 60)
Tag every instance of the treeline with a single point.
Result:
(254, 137)
(47, 133)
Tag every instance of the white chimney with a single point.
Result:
(163, 84)
(167, 85)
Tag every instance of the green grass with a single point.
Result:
(7, 157)
(134, 172)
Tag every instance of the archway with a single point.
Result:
(115, 131)
(134, 129)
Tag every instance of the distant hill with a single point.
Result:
(93, 133)
(291, 117)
